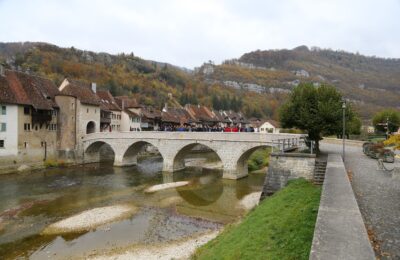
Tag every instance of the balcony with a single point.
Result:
(41, 116)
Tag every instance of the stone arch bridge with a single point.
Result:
(233, 149)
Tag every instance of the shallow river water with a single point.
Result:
(29, 202)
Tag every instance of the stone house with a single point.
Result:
(79, 113)
(28, 118)
(114, 115)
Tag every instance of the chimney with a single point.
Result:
(123, 105)
(2, 72)
(94, 86)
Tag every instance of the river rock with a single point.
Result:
(23, 167)
(165, 186)
(250, 201)
(90, 219)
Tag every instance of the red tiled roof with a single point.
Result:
(201, 113)
(150, 113)
(81, 91)
(128, 102)
(131, 113)
(24, 89)
(107, 101)
(177, 115)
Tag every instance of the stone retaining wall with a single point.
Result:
(340, 232)
(286, 166)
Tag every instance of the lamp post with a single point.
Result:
(344, 128)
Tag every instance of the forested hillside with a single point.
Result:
(126, 74)
(256, 83)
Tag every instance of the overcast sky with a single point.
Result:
(189, 32)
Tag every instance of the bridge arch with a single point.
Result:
(129, 155)
(242, 161)
(99, 151)
(178, 162)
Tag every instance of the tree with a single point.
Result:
(317, 110)
(379, 120)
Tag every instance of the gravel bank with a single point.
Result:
(90, 219)
(178, 250)
(165, 186)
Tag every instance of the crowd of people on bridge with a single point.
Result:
(189, 128)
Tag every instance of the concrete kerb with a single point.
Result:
(339, 232)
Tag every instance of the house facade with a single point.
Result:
(28, 117)
(79, 113)
(269, 126)
(111, 114)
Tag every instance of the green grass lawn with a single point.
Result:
(281, 227)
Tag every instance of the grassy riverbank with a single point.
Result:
(281, 227)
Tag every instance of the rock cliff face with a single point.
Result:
(358, 77)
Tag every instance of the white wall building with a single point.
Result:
(8, 129)
(269, 127)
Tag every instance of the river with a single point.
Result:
(32, 201)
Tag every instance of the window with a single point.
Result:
(27, 110)
(3, 127)
(87, 110)
(42, 144)
(27, 127)
(1, 143)
(3, 110)
(36, 127)
(25, 145)
(95, 111)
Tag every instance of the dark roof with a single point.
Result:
(25, 89)
(81, 91)
(150, 113)
(131, 113)
(128, 102)
(221, 116)
(177, 115)
(201, 113)
(107, 101)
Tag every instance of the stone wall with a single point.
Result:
(287, 166)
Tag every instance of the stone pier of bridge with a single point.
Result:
(233, 149)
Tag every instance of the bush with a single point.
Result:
(259, 159)
(54, 163)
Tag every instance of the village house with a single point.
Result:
(269, 126)
(28, 117)
(110, 119)
(130, 118)
(176, 118)
(203, 116)
(79, 113)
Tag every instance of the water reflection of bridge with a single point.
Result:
(233, 149)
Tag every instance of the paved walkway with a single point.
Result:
(378, 196)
